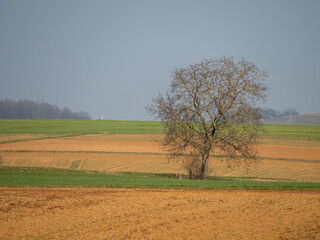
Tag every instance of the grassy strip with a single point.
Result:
(129, 127)
(177, 176)
(20, 176)
(58, 126)
(293, 131)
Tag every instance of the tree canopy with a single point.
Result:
(212, 105)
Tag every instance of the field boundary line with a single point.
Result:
(43, 138)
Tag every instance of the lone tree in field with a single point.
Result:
(211, 105)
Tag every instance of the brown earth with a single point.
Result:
(83, 145)
(93, 213)
(105, 162)
(138, 144)
(281, 158)
(90, 213)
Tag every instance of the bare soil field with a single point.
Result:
(105, 162)
(91, 213)
(281, 158)
(99, 213)
(148, 144)
(72, 144)
(93, 161)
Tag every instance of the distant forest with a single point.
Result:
(269, 113)
(27, 109)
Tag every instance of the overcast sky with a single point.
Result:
(112, 57)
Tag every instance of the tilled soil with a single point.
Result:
(281, 158)
(299, 170)
(99, 213)
(125, 146)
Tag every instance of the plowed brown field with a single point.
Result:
(93, 213)
(281, 158)
(61, 213)
(127, 144)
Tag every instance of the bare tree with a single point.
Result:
(211, 105)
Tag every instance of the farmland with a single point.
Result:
(157, 202)
(101, 213)
(77, 127)
(128, 127)
(280, 158)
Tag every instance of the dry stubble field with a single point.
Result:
(91, 213)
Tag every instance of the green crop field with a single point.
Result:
(77, 126)
(19, 176)
(293, 131)
(129, 127)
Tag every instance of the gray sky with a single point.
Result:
(112, 57)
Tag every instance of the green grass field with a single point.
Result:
(39, 177)
(293, 131)
(129, 127)
(77, 126)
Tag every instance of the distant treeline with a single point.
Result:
(27, 109)
(269, 113)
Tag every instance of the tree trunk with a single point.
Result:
(204, 167)
(190, 174)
